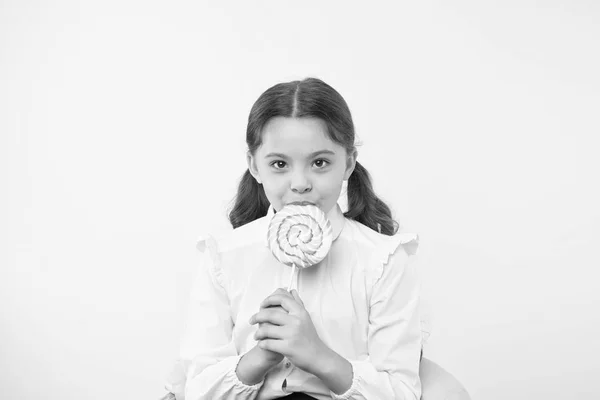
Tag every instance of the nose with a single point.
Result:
(300, 183)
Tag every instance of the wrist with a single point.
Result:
(268, 357)
(325, 363)
(334, 371)
(254, 365)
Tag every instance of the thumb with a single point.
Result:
(297, 297)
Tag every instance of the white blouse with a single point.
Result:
(363, 299)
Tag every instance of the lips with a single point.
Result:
(302, 203)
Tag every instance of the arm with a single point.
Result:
(335, 372)
(255, 364)
(392, 369)
(208, 357)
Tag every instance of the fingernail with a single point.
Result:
(251, 320)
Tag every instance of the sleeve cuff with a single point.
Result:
(219, 381)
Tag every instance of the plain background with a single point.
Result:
(122, 140)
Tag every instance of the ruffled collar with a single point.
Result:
(335, 216)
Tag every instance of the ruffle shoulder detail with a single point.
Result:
(406, 241)
(208, 245)
(206, 242)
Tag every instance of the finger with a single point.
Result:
(280, 291)
(297, 297)
(288, 303)
(275, 316)
(274, 345)
(268, 331)
(272, 308)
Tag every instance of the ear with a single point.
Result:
(252, 167)
(350, 164)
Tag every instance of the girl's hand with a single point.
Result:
(257, 362)
(271, 356)
(289, 332)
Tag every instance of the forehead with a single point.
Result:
(296, 136)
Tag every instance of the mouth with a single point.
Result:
(302, 203)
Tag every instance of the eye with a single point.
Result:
(321, 163)
(278, 164)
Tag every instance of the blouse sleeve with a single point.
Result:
(394, 337)
(208, 357)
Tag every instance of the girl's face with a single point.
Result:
(297, 162)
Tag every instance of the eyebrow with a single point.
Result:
(311, 155)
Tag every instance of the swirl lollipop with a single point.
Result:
(299, 236)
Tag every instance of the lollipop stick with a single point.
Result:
(289, 286)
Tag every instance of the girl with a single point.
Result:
(352, 329)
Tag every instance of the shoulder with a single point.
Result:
(222, 250)
(366, 239)
(379, 253)
(249, 235)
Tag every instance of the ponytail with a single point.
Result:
(365, 207)
(251, 202)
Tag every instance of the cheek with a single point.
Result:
(331, 186)
(274, 187)
(274, 182)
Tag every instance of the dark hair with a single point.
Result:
(310, 97)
